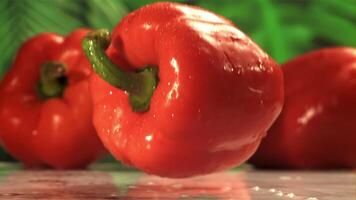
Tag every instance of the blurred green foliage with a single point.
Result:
(284, 28)
(21, 19)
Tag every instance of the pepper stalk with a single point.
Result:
(139, 84)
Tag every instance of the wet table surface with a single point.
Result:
(109, 183)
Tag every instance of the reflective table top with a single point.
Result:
(239, 184)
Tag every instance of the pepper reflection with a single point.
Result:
(226, 185)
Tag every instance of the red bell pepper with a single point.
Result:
(317, 127)
(181, 91)
(45, 104)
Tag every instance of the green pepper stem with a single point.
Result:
(52, 80)
(140, 85)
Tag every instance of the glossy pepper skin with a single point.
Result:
(216, 96)
(317, 127)
(55, 131)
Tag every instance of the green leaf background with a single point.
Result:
(284, 28)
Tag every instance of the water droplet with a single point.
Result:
(225, 189)
(178, 185)
(312, 198)
(279, 193)
(34, 132)
(148, 138)
(256, 188)
(110, 92)
(285, 178)
(235, 39)
(261, 102)
(228, 68)
(15, 121)
(169, 83)
(290, 195)
(190, 77)
(116, 128)
(272, 190)
(172, 115)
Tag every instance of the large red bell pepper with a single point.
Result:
(181, 91)
(45, 104)
(317, 127)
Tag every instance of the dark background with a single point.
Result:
(284, 28)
